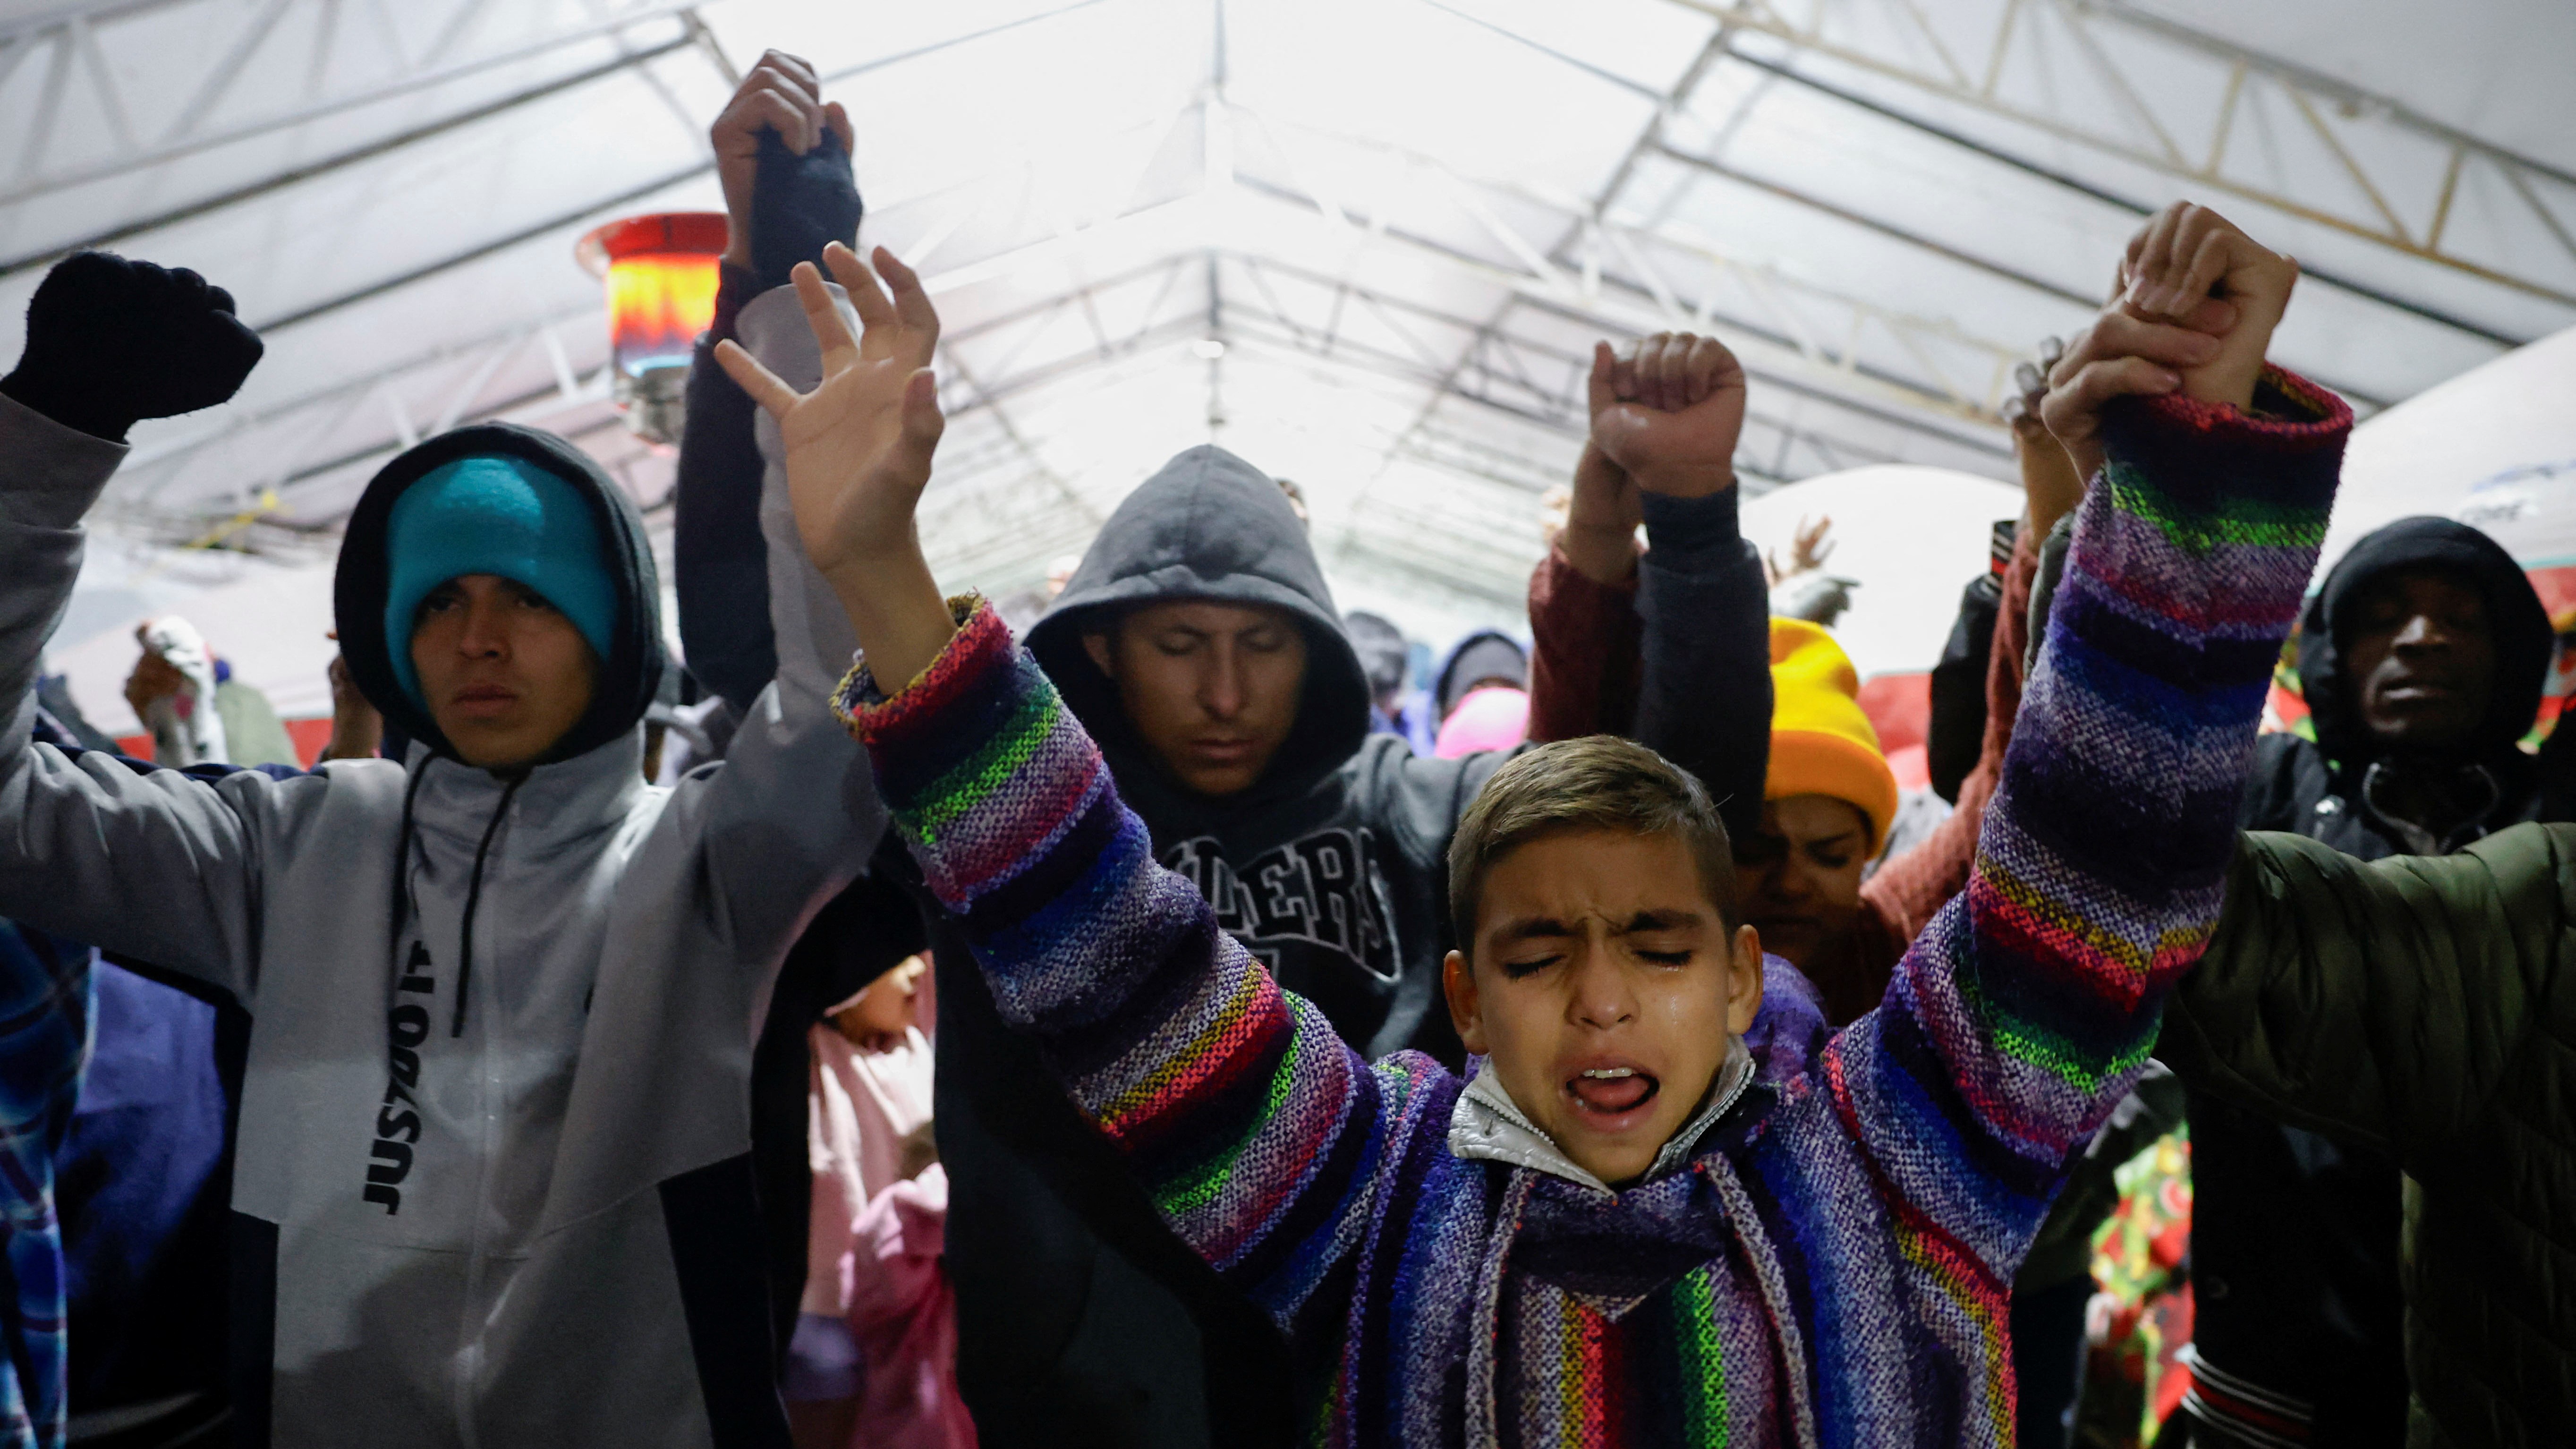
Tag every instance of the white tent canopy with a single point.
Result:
(1912, 536)
(1366, 243)
(2512, 418)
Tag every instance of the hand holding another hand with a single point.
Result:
(2194, 268)
(783, 95)
(2194, 314)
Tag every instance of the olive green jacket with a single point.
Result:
(2424, 1006)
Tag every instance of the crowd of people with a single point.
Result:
(1155, 1011)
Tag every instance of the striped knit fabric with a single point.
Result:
(1833, 1266)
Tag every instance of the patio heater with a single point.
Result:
(660, 272)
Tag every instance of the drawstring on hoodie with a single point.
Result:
(473, 897)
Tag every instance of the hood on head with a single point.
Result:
(1479, 654)
(1209, 525)
(630, 670)
(2523, 640)
(1382, 650)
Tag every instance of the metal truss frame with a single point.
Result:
(2341, 117)
(69, 40)
(1597, 270)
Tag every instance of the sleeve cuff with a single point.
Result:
(2291, 414)
(1562, 582)
(53, 471)
(2210, 461)
(1691, 528)
(981, 645)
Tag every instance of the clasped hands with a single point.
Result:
(2193, 313)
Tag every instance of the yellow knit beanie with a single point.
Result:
(1821, 743)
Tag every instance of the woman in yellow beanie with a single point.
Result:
(1827, 804)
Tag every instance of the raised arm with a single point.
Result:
(1247, 1119)
(2376, 1003)
(783, 156)
(161, 866)
(1685, 626)
(2022, 1013)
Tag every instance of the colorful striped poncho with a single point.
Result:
(1831, 1263)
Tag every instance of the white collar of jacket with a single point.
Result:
(1487, 1124)
(560, 804)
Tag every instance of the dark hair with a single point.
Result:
(1600, 782)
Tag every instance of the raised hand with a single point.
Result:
(1809, 547)
(782, 94)
(1671, 413)
(1601, 512)
(2192, 267)
(858, 453)
(1668, 407)
(2194, 313)
(2050, 486)
(111, 342)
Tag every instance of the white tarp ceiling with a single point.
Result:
(1366, 243)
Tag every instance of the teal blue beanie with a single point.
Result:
(491, 514)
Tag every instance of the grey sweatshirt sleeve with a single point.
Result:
(793, 814)
(1704, 695)
(160, 866)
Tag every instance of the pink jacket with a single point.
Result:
(904, 1315)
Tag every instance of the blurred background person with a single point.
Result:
(172, 685)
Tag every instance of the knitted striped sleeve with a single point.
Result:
(2026, 1008)
(1254, 1128)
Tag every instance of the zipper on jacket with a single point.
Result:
(467, 1365)
(473, 898)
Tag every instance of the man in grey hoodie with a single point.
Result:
(492, 1182)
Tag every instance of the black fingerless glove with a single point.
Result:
(800, 204)
(111, 341)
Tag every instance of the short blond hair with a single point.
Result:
(1599, 782)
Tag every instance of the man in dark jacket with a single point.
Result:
(2419, 1006)
(1200, 644)
(2422, 660)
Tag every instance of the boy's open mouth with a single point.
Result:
(1611, 1091)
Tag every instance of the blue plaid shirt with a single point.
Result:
(44, 1042)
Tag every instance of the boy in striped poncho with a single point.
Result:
(1625, 1229)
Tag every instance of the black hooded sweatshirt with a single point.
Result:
(1082, 1320)
(631, 672)
(2295, 1238)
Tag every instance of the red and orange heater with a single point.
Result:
(660, 272)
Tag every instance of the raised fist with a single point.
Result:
(1668, 410)
(111, 341)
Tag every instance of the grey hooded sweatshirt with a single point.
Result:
(492, 1183)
